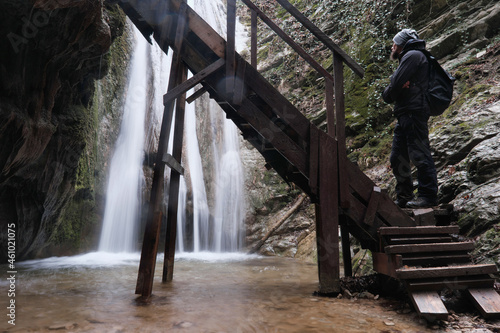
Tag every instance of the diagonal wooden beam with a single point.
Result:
(193, 81)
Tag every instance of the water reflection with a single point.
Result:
(209, 294)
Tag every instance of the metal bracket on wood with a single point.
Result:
(173, 163)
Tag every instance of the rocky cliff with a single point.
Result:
(464, 36)
(51, 53)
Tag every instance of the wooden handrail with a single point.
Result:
(288, 40)
(322, 37)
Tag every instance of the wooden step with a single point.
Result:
(487, 301)
(442, 259)
(455, 283)
(440, 272)
(431, 247)
(429, 305)
(419, 240)
(419, 230)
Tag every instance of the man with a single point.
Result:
(411, 135)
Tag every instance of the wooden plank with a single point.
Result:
(363, 186)
(371, 210)
(386, 264)
(173, 196)
(437, 260)
(419, 230)
(424, 216)
(322, 37)
(346, 246)
(419, 240)
(327, 219)
(193, 81)
(197, 94)
(439, 272)
(203, 30)
(289, 40)
(455, 283)
(429, 305)
(432, 247)
(487, 301)
(230, 46)
(253, 39)
(173, 163)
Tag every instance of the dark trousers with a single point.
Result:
(411, 143)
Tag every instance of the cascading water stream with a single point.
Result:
(218, 228)
(120, 225)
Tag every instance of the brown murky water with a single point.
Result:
(234, 294)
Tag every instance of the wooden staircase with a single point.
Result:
(299, 151)
(428, 259)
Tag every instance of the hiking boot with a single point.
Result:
(421, 203)
(401, 203)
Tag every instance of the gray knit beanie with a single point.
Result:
(404, 36)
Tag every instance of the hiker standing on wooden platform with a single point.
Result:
(411, 134)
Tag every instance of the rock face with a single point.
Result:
(463, 35)
(49, 60)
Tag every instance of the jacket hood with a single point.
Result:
(413, 44)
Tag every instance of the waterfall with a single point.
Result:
(225, 231)
(123, 195)
(218, 227)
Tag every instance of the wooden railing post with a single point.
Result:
(230, 47)
(253, 39)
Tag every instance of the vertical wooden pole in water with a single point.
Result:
(173, 193)
(149, 250)
(152, 232)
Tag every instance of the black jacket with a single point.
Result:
(413, 67)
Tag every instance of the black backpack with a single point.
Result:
(440, 89)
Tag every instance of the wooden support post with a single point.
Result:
(253, 39)
(149, 250)
(313, 159)
(173, 193)
(239, 86)
(371, 208)
(346, 246)
(327, 218)
(151, 234)
(230, 47)
(338, 68)
(330, 107)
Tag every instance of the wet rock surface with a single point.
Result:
(49, 60)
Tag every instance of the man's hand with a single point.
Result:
(406, 85)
